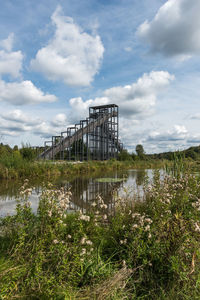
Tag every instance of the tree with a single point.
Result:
(124, 155)
(140, 151)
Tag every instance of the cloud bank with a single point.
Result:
(10, 61)
(24, 92)
(72, 55)
(17, 92)
(136, 101)
(16, 122)
(175, 29)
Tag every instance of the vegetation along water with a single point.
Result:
(143, 247)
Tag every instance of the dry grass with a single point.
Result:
(108, 289)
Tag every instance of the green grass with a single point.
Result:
(17, 167)
(141, 250)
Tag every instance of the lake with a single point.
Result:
(85, 189)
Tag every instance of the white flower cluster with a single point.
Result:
(142, 221)
(197, 227)
(56, 201)
(84, 217)
(101, 203)
(196, 204)
(88, 249)
(24, 190)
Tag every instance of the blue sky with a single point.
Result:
(57, 58)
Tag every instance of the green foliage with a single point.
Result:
(141, 250)
(140, 151)
(192, 153)
(124, 156)
(27, 153)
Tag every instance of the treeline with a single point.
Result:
(10, 156)
(192, 153)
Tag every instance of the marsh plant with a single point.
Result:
(138, 250)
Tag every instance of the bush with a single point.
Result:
(141, 250)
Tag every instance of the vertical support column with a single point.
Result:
(52, 157)
(117, 132)
(87, 138)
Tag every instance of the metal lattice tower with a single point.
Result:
(95, 138)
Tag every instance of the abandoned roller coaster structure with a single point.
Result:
(95, 138)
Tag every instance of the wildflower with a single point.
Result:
(135, 226)
(84, 218)
(197, 228)
(123, 241)
(83, 240)
(55, 241)
(93, 204)
(148, 220)
(147, 228)
(124, 263)
(83, 251)
(69, 236)
(105, 217)
(88, 242)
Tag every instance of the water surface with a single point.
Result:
(84, 189)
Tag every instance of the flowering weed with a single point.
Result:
(138, 250)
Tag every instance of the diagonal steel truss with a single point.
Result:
(95, 138)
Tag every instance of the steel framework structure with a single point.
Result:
(95, 138)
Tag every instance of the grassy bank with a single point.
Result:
(141, 250)
(22, 168)
(21, 163)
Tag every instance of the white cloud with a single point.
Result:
(135, 101)
(59, 120)
(72, 55)
(7, 44)
(175, 29)
(195, 116)
(45, 130)
(128, 49)
(10, 61)
(24, 92)
(18, 116)
(79, 108)
(16, 123)
(178, 133)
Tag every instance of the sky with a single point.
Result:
(58, 58)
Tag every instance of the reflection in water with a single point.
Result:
(84, 190)
(140, 176)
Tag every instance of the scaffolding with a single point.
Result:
(94, 138)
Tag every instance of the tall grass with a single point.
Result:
(14, 166)
(140, 250)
